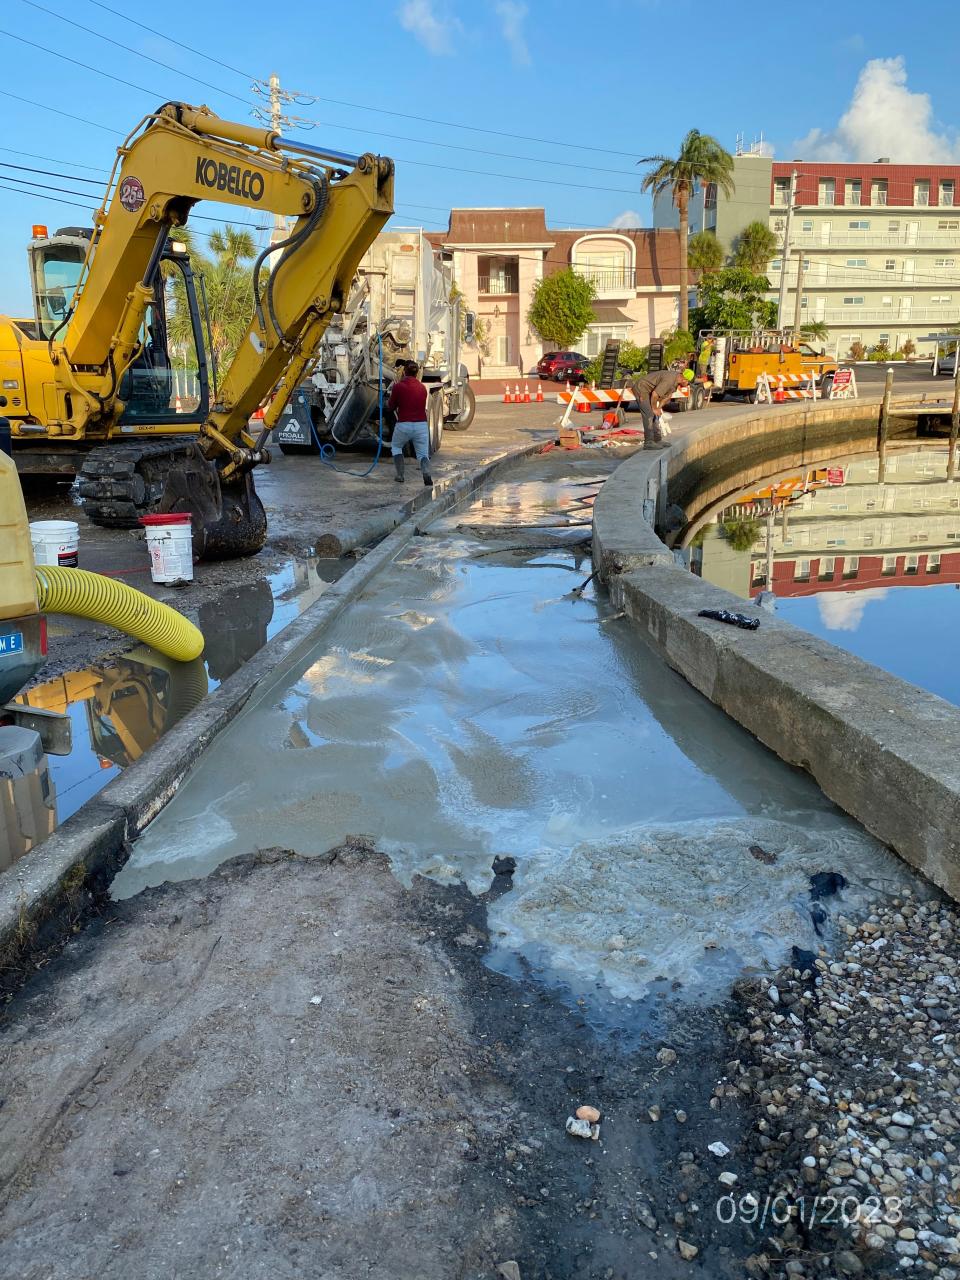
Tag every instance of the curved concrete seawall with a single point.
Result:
(885, 751)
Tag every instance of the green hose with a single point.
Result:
(91, 595)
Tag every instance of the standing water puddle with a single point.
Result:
(468, 705)
(114, 710)
(870, 564)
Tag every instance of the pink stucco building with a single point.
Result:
(499, 254)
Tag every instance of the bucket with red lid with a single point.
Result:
(170, 544)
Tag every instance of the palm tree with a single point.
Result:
(705, 253)
(756, 245)
(701, 159)
(815, 329)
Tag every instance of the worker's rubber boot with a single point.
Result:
(425, 469)
(398, 467)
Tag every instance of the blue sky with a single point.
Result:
(609, 82)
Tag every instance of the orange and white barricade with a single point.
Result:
(785, 386)
(844, 385)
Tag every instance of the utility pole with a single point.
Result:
(785, 259)
(798, 301)
(279, 232)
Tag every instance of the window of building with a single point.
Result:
(944, 262)
(781, 191)
(885, 338)
(801, 570)
(878, 191)
(890, 264)
(933, 562)
(921, 191)
(949, 224)
(889, 565)
(855, 300)
(886, 300)
(894, 226)
(851, 566)
(498, 275)
(807, 224)
(940, 299)
(803, 303)
(911, 564)
(856, 262)
(826, 191)
(861, 224)
(595, 338)
(776, 265)
(851, 191)
(946, 191)
(826, 566)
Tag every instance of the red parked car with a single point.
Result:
(562, 366)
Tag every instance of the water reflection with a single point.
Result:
(845, 554)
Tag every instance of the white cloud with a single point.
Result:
(512, 15)
(629, 218)
(843, 611)
(884, 118)
(433, 26)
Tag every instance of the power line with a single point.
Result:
(423, 164)
(68, 115)
(50, 173)
(136, 52)
(358, 106)
(164, 35)
(32, 155)
(160, 97)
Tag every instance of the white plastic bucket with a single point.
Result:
(55, 542)
(170, 543)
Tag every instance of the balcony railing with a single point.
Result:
(609, 280)
(844, 238)
(499, 284)
(886, 315)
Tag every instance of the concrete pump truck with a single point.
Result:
(87, 383)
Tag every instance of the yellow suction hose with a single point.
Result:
(91, 595)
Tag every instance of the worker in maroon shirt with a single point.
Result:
(408, 400)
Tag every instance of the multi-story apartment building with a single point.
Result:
(850, 534)
(880, 243)
(499, 255)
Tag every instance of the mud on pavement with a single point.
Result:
(297, 1067)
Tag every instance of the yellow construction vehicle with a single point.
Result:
(734, 361)
(88, 384)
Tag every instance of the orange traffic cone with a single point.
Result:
(516, 394)
(539, 394)
(779, 396)
(567, 387)
(583, 406)
(258, 414)
(526, 393)
(177, 406)
(506, 393)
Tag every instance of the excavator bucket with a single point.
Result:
(228, 519)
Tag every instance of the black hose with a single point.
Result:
(321, 189)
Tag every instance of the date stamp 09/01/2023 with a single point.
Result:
(778, 1209)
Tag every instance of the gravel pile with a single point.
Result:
(852, 1070)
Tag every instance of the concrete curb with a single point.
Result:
(882, 749)
(43, 894)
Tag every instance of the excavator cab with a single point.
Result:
(167, 384)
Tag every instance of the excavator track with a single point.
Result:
(120, 484)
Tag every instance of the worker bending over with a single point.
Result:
(408, 400)
(653, 391)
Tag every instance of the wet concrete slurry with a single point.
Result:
(471, 704)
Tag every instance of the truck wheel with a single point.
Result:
(696, 397)
(460, 421)
(435, 422)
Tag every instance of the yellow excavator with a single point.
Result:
(87, 383)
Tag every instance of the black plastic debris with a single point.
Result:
(504, 866)
(824, 884)
(734, 619)
(802, 960)
(818, 916)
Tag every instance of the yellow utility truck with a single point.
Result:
(736, 359)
